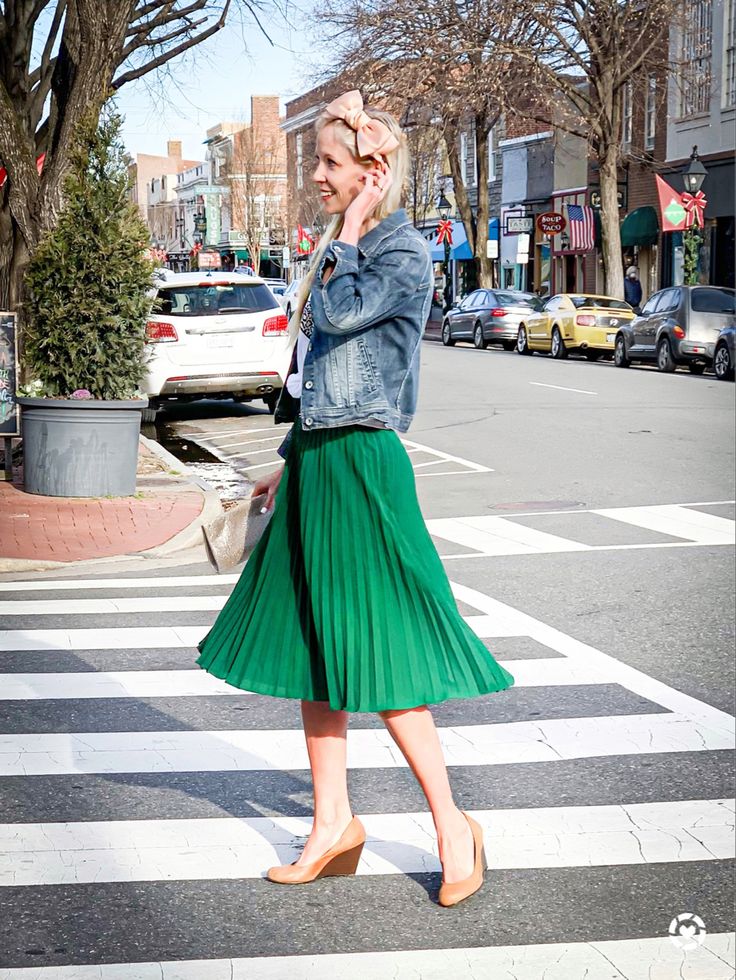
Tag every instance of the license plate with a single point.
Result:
(219, 340)
(610, 337)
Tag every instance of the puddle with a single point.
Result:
(222, 477)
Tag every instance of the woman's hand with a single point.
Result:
(269, 485)
(377, 182)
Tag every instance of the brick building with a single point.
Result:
(147, 167)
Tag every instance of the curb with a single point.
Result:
(190, 539)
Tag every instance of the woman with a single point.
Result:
(344, 604)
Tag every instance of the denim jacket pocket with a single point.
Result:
(368, 375)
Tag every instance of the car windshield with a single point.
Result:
(518, 299)
(210, 300)
(713, 300)
(602, 302)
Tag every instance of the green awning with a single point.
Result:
(641, 227)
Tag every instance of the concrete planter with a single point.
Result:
(80, 448)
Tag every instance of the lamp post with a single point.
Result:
(444, 209)
(694, 202)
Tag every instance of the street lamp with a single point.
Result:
(444, 209)
(693, 176)
(695, 173)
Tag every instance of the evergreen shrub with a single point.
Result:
(89, 279)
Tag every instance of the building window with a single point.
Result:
(627, 117)
(650, 121)
(695, 72)
(299, 162)
(729, 59)
(467, 159)
(492, 155)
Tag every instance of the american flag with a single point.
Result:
(582, 234)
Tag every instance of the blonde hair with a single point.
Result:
(398, 163)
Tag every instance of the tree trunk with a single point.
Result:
(461, 193)
(613, 271)
(484, 264)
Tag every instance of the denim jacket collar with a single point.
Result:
(373, 239)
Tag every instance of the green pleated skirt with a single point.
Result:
(345, 599)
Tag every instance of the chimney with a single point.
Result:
(173, 149)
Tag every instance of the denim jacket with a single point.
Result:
(362, 363)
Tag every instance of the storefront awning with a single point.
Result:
(460, 248)
(640, 227)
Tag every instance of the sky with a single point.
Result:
(214, 82)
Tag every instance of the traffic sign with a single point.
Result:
(551, 223)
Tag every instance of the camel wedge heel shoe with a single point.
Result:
(340, 859)
(457, 891)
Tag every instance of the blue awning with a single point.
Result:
(460, 248)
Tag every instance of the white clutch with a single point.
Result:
(232, 536)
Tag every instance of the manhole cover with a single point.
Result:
(540, 505)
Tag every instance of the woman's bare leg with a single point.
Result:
(326, 733)
(414, 732)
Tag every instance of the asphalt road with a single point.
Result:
(585, 516)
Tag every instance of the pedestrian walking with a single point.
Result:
(632, 287)
(344, 603)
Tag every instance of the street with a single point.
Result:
(585, 515)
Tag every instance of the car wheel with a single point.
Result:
(447, 335)
(619, 353)
(592, 355)
(722, 366)
(149, 414)
(479, 340)
(559, 350)
(271, 400)
(665, 360)
(508, 344)
(695, 368)
(522, 342)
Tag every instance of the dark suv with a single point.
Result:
(679, 325)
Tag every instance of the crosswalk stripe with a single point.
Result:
(500, 536)
(169, 636)
(615, 671)
(82, 607)
(88, 584)
(405, 843)
(198, 683)
(619, 959)
(677, 521)
(247, 750)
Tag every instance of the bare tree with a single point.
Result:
(58, 59)
(451, 57)
(581, 71)
(426, 146)
(257, 182)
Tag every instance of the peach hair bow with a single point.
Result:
(373, 136)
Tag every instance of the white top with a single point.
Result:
(294, 381)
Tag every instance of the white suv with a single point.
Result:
(215, 335)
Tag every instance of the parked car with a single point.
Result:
(289, 295)
(574, 323)
(215, 335)
(723, 354)
(488, 316)
(679, 325)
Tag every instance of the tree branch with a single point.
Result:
(165, 56)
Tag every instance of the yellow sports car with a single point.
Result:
(574, 323)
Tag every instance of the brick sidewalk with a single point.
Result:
(68, 529)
